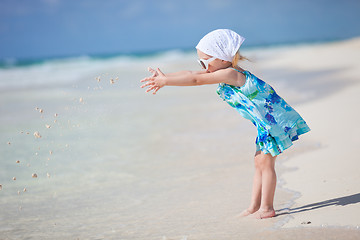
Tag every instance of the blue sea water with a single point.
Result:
(6, 63)
(69, 70)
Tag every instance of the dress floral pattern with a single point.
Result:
(277, 123)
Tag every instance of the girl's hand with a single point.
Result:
(155, 82)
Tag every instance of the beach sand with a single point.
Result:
(116, 163)
(327, 178)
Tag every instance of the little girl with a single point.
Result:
(277, 123)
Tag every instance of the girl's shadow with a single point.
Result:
(342, 201)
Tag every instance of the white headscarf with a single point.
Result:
(221, 43)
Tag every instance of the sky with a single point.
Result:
(31, 29)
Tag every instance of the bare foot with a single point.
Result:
(264, 214)
(246, 213)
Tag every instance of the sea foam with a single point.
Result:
(63, 72)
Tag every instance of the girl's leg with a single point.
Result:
(266, 162)
(256, 189)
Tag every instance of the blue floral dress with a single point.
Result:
(277, 123)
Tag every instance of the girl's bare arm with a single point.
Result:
(175, 73)
(192, 79)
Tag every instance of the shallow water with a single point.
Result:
(122, 165)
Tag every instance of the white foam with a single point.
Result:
(65, 72)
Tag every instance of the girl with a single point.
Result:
(277, 123)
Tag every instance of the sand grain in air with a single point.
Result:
(34, 175)
(47, 126)
(0, 186)
(14, 178)
(37, 135)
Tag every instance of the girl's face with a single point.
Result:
(214, 65)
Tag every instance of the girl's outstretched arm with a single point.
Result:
(159, 79)
(175, 73)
